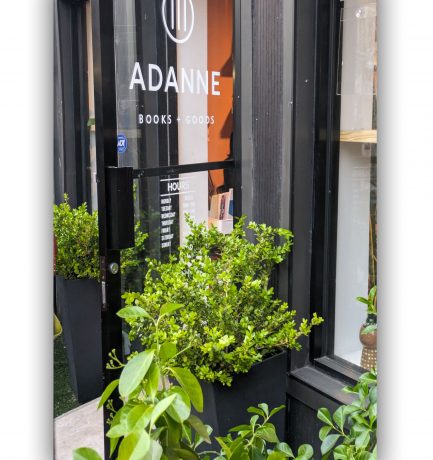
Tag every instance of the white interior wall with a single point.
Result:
(352, 250)
(193, 139)
(354, 178)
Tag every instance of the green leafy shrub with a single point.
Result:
(155, 419)
(231, 318)
(76, 232)
(252, 441)
(77, 237)
(351, 432)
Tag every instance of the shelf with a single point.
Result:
(364, 136)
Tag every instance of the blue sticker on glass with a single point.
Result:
(122, 143)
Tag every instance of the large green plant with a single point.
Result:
(231, 319)
(155, 419)
(77, 237)
(351, 432)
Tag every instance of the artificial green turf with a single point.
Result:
(64, 399)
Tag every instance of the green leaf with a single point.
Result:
(360, 420)
(339, 417)
(107, 392)
(340, 453)
(363, 300)
(133, 312)
(161, 407)
(372, 411)
(285, 448)
(224, 446)
(186, 454)
(329, 443)
(275, 455)
(134, 446)
(305, 451)
(181, 407)
(361, 441)
(256, 453)
(267, 432)
(168, 308)
(138, 418)
(113, 445)
(324, 431)
(167, 351)
(190, 385)
(119, 426)
(366, 456)
(238, 450)
(369, 378)
(347, 410)
(199, 427)
(372, 396)
(264, 408)
(174, 431)
(117, 431)
(276, 410)
(235, 429)
(325, 416)
(155, 451)
(155, 434)
(260, 444)
(152, 382)
(85, 453)
(253, 420)
(134, 372)
(254, 410)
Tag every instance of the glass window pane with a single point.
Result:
(357, 187)
(174, 81)
(161, 203)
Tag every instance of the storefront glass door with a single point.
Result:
(164, 87)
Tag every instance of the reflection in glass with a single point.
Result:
(174, 98)
(161, 203)
(356, 270)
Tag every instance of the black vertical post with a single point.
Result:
(106, 148)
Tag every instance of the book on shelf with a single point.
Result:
(221, 207)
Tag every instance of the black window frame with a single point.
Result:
(314, 194)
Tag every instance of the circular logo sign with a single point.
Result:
(178, 18)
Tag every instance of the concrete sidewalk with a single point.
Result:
(80, 427)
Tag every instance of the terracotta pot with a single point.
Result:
(368, 340)
(369, 349)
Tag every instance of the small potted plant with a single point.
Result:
(234, 331)
(368, 331)
(78, 296)
(78, 293)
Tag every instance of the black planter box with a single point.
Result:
(226, 407)
(79, 305)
